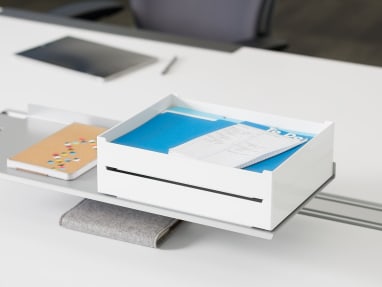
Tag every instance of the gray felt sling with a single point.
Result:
(118, 222)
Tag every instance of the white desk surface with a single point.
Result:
(307, 250)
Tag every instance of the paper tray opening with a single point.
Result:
(113, 169)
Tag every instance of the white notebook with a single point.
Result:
(237, 146)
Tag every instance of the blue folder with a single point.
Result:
(179, 125)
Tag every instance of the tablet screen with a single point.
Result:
(87, 57)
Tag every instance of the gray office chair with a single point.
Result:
(246, 22)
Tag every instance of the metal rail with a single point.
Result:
(345, 209)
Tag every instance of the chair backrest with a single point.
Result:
(220, 20)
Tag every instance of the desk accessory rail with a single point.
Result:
(345, 209)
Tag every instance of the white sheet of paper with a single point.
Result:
(236, 146)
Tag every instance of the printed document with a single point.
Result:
(237, 146)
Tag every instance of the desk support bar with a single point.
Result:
(345, 210)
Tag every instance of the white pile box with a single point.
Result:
(232, 195)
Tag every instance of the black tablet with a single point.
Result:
(88, 57)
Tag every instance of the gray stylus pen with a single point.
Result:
(169, 65)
